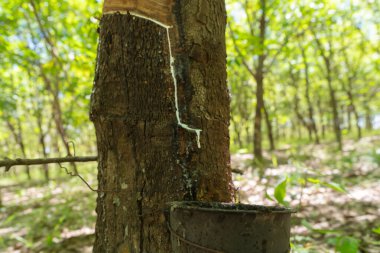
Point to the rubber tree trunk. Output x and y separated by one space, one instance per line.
268 122
259 77
353 108
334 107
310 108
146 158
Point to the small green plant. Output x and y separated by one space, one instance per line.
342 243
280 192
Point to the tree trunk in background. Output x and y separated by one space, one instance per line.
349 125
17 135
57 113
237 131
259 77
257 134
310 108
368 118
334 107
146 159
277 131
41 136
352 108
327 56
321 117
269 129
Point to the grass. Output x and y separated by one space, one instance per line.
39 216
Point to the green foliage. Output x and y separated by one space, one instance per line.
48 51
347 244
376 230
280 192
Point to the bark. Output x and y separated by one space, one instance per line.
146 159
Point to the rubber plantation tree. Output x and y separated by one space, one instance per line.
257 42
160 107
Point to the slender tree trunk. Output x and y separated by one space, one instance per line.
297 111
269 129
257 138
310 108
42 135
147 155
278 129
349 124
237 131
248 136
259 76
18 136
368 118
334 107
327 56
321 117
57 114
355 111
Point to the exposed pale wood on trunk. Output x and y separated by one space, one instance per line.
160 10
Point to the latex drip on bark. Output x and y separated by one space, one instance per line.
172 70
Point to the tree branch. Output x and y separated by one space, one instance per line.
9 163
246 65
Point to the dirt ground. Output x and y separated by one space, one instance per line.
336 195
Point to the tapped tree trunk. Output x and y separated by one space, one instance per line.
147 122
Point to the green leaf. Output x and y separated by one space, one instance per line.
280 191
313 180
376 230
274 160
335 186
268 197
347 244
307 225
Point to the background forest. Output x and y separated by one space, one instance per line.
304 78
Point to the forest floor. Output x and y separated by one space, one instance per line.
336 195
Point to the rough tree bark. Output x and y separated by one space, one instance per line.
147 157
